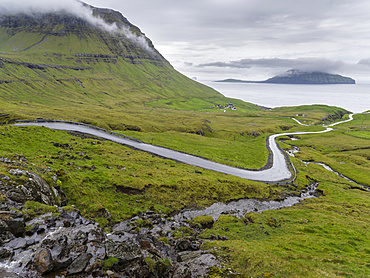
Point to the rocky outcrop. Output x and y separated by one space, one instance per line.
43 261
41 66
69 244
29 186
63 243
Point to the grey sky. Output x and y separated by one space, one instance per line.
256 38
253 39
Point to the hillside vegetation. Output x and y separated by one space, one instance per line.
68 69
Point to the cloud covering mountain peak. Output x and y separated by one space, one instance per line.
75 8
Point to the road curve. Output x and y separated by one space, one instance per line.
279 171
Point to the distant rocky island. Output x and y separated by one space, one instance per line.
298 77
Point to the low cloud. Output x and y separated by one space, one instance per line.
364 62
73 7
303 64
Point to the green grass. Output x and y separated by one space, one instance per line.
359 134
345 150
311 114
243 151
149 100
324 237
122 180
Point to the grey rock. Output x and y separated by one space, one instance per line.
72 215
79 264
60 248
125 252
59 265
80 238
34 188
197 265
16 226
3 227
32 230
30 241
17 243
5 274
183 244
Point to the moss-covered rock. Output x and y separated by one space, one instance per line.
203 221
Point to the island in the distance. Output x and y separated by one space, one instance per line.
299 77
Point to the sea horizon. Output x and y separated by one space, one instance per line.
352 97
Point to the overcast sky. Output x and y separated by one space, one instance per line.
254 39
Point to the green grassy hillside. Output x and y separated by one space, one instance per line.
67 69
62 62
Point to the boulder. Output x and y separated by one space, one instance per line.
32 188
60 247
60 265
79 264
124 251
197 265
17 243
16 226
43 261
183 244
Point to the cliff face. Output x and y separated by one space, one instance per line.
104 28
88 57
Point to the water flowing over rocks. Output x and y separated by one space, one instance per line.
148 245
241 207
82 248
62 243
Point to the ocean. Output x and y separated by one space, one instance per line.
354 98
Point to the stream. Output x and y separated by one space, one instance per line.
24 248
241 207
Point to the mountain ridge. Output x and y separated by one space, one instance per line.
118 31
99 60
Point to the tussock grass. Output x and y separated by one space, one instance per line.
327 236
123 180
323 237
346 150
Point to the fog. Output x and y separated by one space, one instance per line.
73 7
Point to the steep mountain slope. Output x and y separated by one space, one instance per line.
95 59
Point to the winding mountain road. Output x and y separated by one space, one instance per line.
279 171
